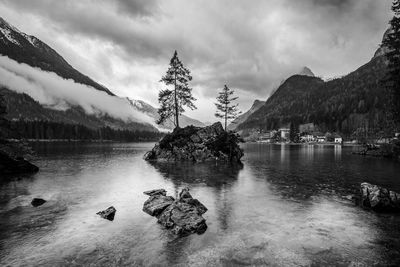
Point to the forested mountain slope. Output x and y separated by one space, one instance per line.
357 100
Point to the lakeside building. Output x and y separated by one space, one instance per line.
284 133
337 139
319 137
307 138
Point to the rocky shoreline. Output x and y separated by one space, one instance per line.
391 150
12 160
378 198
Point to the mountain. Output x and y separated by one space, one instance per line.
30 50
73 99
382 50
306 72
243 117
347 105
168 125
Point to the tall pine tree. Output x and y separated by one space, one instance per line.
173 101
392 43
225 109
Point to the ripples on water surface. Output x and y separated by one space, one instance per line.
285 207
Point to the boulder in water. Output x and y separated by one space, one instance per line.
182 216
10 164
379 198
36 202
108 214
157 204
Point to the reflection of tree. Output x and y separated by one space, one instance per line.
212 174
220 177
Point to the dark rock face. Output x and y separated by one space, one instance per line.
108 214
379 199
157 204
197 144
36 202
181 216
9 164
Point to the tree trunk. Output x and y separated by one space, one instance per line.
176 106
226 115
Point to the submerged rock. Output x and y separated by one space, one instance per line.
379 199
36 202
182 216
108 214
198 144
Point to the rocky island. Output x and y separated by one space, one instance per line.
197 144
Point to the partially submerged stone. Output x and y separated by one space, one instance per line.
186 197
36 202
155 192
379 198
182 216
10 164
108 214
157 204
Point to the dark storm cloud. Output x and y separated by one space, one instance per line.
138 7
250 45
341 4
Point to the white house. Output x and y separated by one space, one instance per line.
338 139
285 132
307 138
319 137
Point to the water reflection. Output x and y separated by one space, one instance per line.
219 176
284 207
338 152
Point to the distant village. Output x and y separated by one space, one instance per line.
309 133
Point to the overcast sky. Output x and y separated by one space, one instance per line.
249 45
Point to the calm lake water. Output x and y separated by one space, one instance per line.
286 206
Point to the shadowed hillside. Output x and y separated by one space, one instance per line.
346 104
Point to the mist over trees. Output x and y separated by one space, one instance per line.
3 112
225 109
46 130
173 101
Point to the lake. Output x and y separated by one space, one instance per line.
287 206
